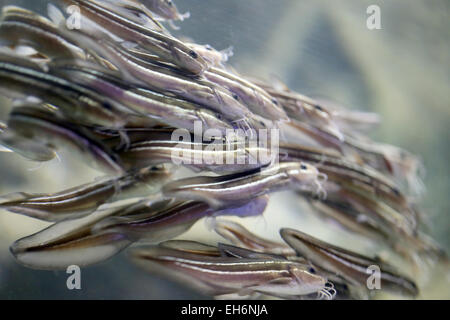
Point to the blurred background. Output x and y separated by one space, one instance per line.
320 48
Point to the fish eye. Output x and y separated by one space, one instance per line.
193 54
235 96
303 167
107 106
311 270
318 107
275 101
169 3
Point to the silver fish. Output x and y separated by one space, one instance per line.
69 242
347 264
25 147
225 275
191 247
217 157
136 11
19 26
20 77
208 95
161 44
172 111
44 127
82 200
256 99
155 225
221 191
165 9
339 168
214 57
243 238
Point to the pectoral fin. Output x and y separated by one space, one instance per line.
261 287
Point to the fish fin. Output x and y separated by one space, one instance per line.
15 197
210 223
129 45
237 296
245 291
282 280
358 292
55 15
230 250
259 288
108 224
278 84
27 148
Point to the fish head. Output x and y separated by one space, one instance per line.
308 280
302 173
167 9
300 243
215 120
190 60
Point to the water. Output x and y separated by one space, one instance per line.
318 48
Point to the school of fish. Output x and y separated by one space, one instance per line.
106 79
